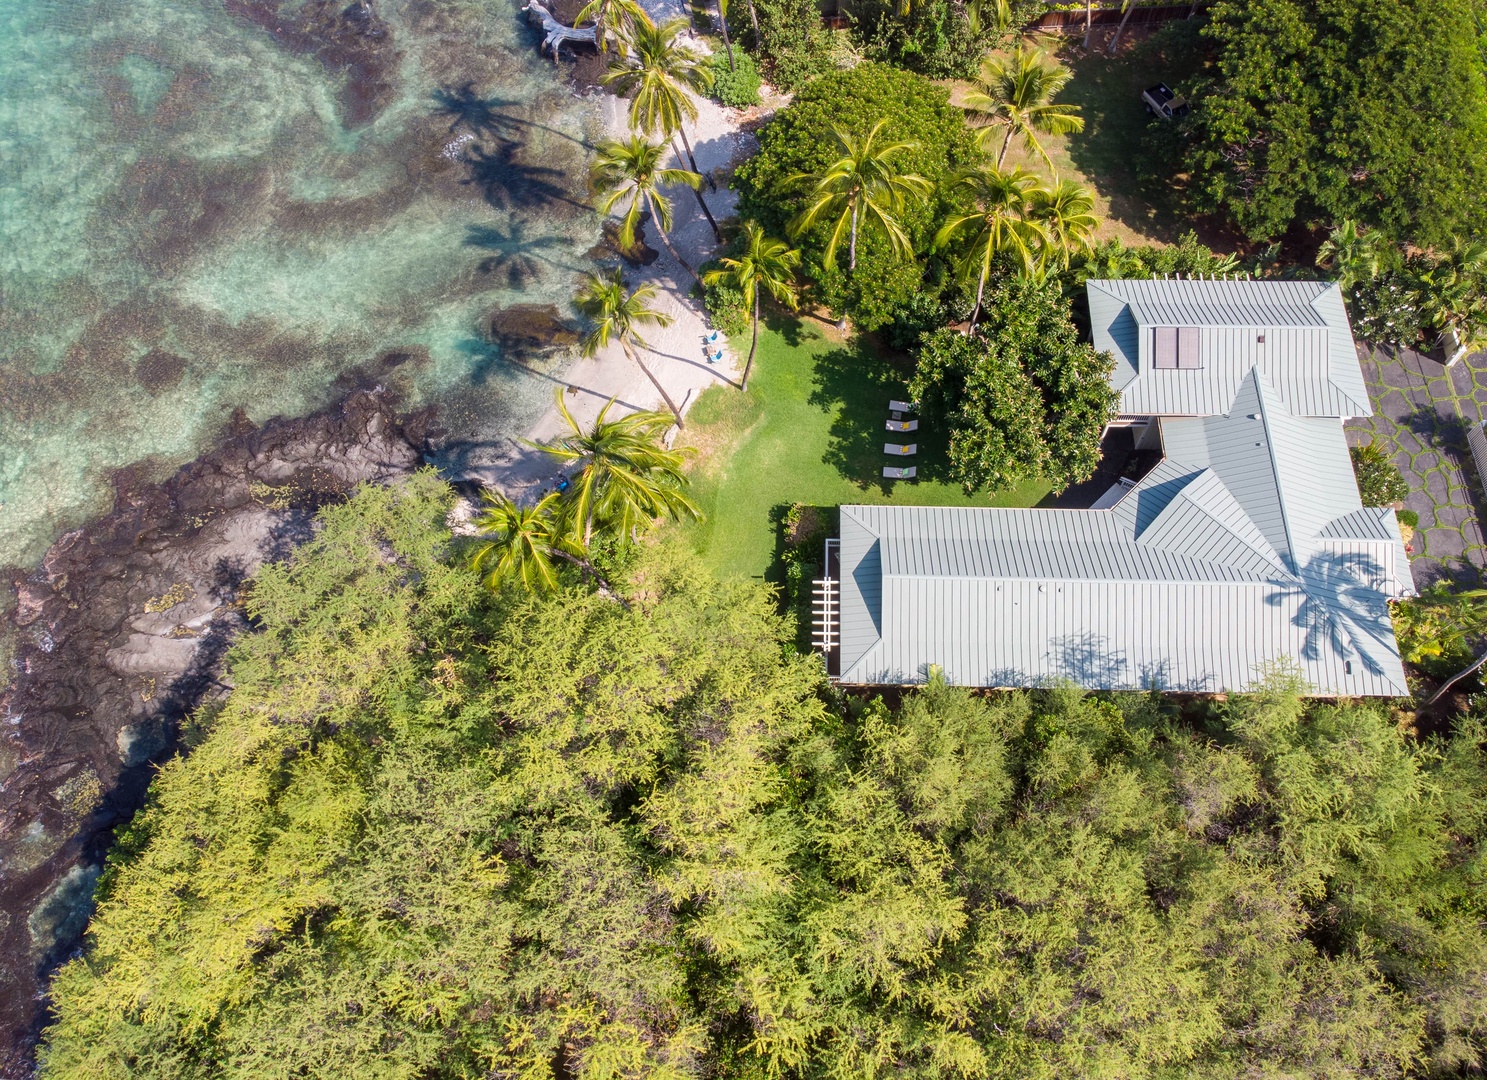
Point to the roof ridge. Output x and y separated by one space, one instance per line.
1262 390
1199 492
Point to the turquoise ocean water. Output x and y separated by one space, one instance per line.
208 205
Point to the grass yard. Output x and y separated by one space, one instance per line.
810 429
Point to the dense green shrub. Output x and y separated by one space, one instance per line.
435 833
1023 397
1409 517
736 87
1379 482
1371 110
793 43
799 141
726 310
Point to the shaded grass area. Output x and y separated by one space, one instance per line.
809 429
1123 155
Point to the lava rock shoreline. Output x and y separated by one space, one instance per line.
120 634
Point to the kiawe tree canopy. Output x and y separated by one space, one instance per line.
440 832
1320 111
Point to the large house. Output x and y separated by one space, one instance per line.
1246 545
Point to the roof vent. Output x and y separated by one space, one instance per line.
1347 667
1260 338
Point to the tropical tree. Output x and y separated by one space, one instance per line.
1453 291
765 263
616 314
628 476
861 184
617 17
1126 7
523 542
1065 211
1000 224
1352 254
632 168
1016 93
662 73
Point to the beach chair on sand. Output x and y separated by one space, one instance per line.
893 472
900 449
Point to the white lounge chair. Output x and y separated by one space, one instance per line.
893 472
900 449
903 425
903 406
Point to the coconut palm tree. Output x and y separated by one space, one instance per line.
1126 6
523 544
662 73
1065 211
765 264
628 478
617 17
1000 224
1016 93
862 185
616 314
632 169
1352 254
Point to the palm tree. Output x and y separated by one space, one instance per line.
662 73
616 314
1126 6
1017 93
1001 223
619 17
633 168
523 542
862 184
1352 254
628 478
723 22
764 264
1065 212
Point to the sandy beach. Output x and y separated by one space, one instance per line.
677 356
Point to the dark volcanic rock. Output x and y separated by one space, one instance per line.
121 633
527 331
350 38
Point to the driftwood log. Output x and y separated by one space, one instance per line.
555 34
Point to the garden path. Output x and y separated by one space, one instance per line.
1422 411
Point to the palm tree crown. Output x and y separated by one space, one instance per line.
628 478
659 70
1001 223
1351 253
766 264
863 184
522 542
1066 212
617 314
617 17
633 168
1016 92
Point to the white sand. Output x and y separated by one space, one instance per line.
676 355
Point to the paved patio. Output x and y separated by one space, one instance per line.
1421 414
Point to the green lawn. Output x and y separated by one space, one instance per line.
810 429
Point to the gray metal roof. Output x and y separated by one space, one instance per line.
1307 353
1245 545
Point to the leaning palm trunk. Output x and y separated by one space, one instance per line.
980 292
711 183
754 18
666 240
754 344
723 22
1114 41
1005 144
852 245
717 233
657 384
1454 679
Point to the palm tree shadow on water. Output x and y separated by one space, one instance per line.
515 257
489 116
859 382
509 183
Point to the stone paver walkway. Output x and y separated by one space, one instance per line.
1421 414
